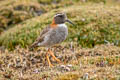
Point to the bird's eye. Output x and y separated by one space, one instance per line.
60 16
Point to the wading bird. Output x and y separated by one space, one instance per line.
53 34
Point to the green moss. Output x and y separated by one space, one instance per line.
15 12
95 24
97 27
69 76
49 1
97 1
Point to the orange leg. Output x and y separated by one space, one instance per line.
48 60
52 54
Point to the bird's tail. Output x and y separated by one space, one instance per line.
33 45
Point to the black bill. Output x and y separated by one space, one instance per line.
69 21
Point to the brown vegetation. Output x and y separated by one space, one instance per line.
101 62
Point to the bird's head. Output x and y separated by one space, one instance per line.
61 18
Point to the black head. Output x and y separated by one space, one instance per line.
61 18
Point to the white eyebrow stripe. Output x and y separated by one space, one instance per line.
58 14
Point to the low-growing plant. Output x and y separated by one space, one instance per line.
94 25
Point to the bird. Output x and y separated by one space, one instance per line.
54 33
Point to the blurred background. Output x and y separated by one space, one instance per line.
97 21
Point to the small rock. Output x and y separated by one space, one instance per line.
67 69
69 65
64 68
83 19
36 71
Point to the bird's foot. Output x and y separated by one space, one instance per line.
48 60
52 54
58 60
50 65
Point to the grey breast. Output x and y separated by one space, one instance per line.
57 35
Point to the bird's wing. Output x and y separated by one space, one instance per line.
41 37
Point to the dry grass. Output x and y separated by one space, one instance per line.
101 62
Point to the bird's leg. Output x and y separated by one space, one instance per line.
52 54
47 57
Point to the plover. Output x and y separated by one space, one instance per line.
53 34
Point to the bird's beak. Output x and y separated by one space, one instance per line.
69 21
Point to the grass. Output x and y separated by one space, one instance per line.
101 62
99 24
15 11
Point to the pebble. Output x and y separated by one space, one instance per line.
64 68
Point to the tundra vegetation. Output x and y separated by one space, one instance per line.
91 50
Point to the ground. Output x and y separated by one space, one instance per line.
101 62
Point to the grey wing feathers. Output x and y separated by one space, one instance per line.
40 38
35 44
45 30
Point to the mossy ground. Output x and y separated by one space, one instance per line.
94 24
99 63
90 52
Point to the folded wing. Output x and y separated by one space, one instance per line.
40 39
